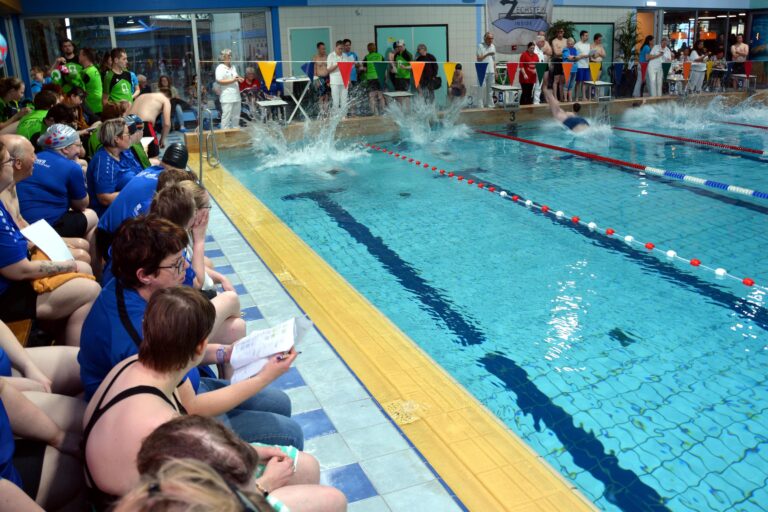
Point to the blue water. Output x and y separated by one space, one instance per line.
639 378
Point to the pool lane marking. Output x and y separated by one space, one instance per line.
630 240
695 141
638 167
759 127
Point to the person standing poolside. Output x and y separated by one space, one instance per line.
486 52
558 78
739 54
655 74
373 85
528 60
69 59
339 93
117 85
228 80
429 73
698 59
571 120
320 80
353 81
582 63
569 55
543 51
645 50
392 69
91 81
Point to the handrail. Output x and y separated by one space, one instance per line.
210 140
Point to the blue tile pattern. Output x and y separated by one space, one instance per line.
315 423
352 481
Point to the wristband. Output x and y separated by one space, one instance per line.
220 352
262 490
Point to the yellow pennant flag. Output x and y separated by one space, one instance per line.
686 70
594 70
709 68
267 72
449 68
416 69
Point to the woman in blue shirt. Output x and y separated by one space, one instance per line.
112 166
645 50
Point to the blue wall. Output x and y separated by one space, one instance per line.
672 4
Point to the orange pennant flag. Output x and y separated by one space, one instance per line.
512 72
686 70
345 68
450 69
267 69
567 70
594 70
416 69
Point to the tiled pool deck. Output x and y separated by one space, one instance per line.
360 450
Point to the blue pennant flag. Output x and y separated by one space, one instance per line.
481 67
309 69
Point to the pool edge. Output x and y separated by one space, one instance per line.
487 465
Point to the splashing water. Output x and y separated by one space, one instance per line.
423 125
317 150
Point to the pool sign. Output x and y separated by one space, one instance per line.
516 22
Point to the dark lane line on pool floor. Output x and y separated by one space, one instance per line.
623 487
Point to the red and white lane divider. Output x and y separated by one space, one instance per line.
759 127
630 240
696 141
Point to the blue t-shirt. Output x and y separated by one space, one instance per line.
104 342
55 181
7 447
133 200
644 51
106 175
13 245
5 364
353 74
570 52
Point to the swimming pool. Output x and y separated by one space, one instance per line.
639 378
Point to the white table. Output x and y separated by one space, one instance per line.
747 79
511 92
600 89
268 105
297 102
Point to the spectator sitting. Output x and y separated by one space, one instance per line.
11 93
68 297
250 468
112 167
74 99
56 190
143 85
177 104
37 80
32 123
136 129
148 255
110 111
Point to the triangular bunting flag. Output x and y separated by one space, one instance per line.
686 70
665 69
450 69
541 68
594 70
267 69
345 68
309 69
618 73
512 72
567 66
416 69
709 69
748 68
480 67
381 71
643 69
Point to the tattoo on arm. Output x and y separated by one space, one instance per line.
57 267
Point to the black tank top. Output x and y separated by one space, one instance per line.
99 499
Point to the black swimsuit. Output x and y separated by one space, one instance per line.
99 499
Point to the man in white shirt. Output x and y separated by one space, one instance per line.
582 64
544 52
486 52
739 54
655 74
338 91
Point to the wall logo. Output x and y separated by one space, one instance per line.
516 22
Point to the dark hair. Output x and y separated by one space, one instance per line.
89 54
204 439
114 110
648 40
577 107
106 61
339 42
583 32
61 44
458 66
8 84
175 204
171 176
166 92
44 100
61 114
143 243
597 36
319 44
530 45
347 41
161 78
176 320
76 91
115 53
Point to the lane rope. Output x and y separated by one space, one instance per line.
650 170
696 141
670 254
759 127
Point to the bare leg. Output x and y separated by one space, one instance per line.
90 237
60 365
228 327
66 411
61 482
372 102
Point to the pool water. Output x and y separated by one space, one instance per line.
639 378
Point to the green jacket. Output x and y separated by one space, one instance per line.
370 68
32 124
402 72
93 88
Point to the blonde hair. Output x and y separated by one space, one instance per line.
224 53
187 485
198 193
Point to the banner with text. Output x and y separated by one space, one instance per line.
516 22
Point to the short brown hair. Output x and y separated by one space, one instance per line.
199 194
176 321
175 204
172 175
114 110
143 243
204 439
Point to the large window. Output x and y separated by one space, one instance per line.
44 36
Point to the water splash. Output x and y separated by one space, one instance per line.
423 125
317 149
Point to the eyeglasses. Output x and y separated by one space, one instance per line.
178 266
9 161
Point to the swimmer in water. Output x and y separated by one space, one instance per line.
571 120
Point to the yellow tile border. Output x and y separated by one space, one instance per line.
481 460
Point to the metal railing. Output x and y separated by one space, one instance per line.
211 149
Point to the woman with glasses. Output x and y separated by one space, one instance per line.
18 299
113 166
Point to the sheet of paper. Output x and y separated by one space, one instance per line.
47 240
145 141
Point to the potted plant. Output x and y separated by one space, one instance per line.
626 38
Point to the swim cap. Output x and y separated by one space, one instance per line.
132 121
58 136
176 155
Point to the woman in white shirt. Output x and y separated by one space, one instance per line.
655 74
698 67
228 80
